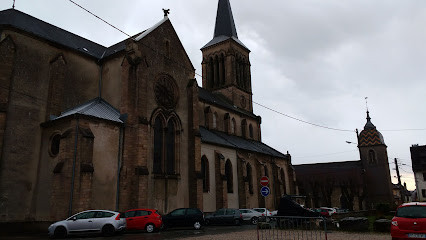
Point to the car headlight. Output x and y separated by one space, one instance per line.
395 223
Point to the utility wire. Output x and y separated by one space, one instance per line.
261 105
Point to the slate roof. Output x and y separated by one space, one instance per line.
22 21
220 100
96 107
231 141
333 170
225 26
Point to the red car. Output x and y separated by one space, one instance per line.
143 219
409 221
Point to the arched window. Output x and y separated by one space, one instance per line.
372 157
158 145
55 142
226 122
251 131
170 147
229 177
249 178
243 128
205 173
215 120
233 123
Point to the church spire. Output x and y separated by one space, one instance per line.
225 25
369 124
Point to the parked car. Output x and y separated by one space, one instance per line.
225 216
322 211
409 221
143 219
92 221
265 212
250 215
331 211
184 217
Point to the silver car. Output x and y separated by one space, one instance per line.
92 221
250 215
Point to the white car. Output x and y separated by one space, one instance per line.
92 221
265 212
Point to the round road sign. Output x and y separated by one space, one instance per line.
265 191
264 181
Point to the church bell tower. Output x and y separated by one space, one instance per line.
226 64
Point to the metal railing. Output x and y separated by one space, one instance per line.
294 228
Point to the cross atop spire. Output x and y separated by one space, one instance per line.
225 25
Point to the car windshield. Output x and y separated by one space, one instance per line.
411 212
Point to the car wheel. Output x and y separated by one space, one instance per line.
150 228
197 225
254 220
237 222
108 230
60 232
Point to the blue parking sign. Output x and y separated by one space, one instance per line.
265 191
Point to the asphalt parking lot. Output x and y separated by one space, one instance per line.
181 233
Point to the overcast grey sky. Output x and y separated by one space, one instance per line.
313 60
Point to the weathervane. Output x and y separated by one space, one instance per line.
366 103
166 12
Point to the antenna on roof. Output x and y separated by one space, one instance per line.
13 6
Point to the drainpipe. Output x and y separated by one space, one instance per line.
120 149
73 167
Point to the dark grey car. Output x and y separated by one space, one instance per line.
225 216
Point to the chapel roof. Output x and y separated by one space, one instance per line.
370 136
232 141
225 26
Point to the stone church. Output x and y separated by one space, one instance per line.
83 126
354 185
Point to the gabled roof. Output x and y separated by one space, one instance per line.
225 26
96 107
24 22
219 100
231 141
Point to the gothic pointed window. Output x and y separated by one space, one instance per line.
243 128
205 173
229 176
372 157
226 123
214 120
233 123
250 178
158 145
283 180
251 131
170 147
266 171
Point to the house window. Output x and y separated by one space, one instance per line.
205 173
229 176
